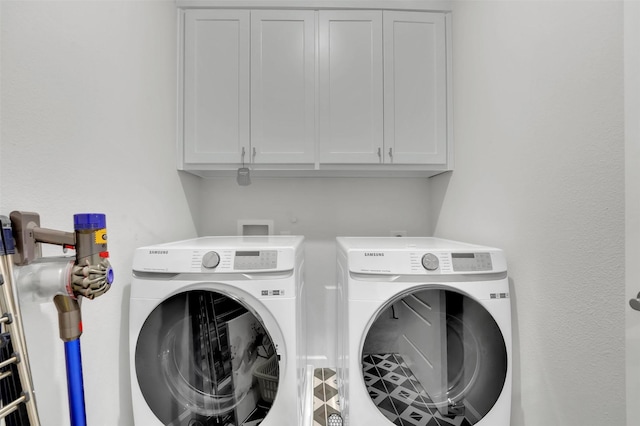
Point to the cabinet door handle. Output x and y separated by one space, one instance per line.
380 154
391 154
242 156
635 303
254 153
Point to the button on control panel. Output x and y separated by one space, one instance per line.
255 260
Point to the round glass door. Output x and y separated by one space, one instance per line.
204 359
434 354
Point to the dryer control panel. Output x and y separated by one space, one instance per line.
412 262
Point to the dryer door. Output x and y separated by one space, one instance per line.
203 358
434 354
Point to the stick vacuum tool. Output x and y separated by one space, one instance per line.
91 276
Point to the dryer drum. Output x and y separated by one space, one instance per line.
438 351
196 356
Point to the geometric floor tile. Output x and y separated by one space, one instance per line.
325 395
400 396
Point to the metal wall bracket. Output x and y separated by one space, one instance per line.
27 249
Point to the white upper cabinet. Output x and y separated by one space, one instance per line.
350 86
216 85
415 88
283 86
315 92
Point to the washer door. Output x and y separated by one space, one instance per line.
434 354
203 358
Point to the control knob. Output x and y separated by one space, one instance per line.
430 262
210 260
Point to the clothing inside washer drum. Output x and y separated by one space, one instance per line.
208 398
201 373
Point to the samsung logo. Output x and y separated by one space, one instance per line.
158 251
373 254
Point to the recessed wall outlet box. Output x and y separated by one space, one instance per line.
255 227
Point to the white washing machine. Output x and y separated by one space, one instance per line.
216 332
424 333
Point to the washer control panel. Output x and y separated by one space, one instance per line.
471 262
248 255
249 260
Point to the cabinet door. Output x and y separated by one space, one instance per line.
415 88
283 86
216 85
350 86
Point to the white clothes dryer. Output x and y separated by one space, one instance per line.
424 333
216 332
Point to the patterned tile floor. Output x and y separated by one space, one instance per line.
400 396
325 396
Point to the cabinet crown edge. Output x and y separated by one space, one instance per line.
444 6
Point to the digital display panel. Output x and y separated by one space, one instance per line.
248 253
463 255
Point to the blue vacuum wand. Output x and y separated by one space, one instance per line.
91 276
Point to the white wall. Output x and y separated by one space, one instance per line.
632 201
538 107
88 124
321 210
